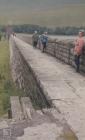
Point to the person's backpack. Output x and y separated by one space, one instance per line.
44 39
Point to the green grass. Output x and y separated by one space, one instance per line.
7 87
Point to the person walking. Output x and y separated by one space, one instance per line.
44 40
78 50
40 41
35 39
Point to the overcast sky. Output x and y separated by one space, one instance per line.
43 2
11 5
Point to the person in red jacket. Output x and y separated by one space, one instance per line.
79 44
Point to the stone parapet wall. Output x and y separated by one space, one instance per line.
24 77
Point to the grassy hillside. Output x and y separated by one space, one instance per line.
7 87
66 15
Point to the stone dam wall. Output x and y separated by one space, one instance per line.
49 83
24 78
62 50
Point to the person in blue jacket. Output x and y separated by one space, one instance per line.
44 40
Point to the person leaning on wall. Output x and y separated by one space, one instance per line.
78 49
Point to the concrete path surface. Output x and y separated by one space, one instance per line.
61 84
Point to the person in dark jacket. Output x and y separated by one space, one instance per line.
35 39
44 40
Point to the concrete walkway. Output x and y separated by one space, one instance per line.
61 84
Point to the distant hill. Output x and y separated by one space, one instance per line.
43 12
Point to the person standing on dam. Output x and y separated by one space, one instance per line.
78 50
44 40
40 41
35 39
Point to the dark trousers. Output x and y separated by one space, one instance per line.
35 44
44 46
77 62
